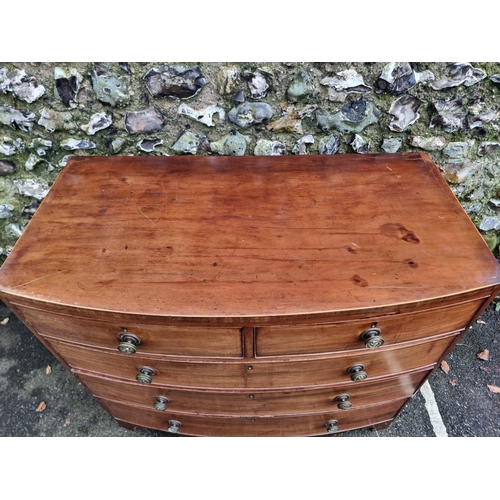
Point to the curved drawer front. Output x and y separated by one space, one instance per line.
257 373
255 402
312 339
154 339
305 425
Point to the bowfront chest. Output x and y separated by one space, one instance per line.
250 296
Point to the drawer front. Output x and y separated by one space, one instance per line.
255 402
257 373
304 425
313 339
180 341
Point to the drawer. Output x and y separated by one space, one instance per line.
256 402
154 339
311 339
303 425
257 373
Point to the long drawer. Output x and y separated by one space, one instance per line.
154 339
303 425
285 340
282 340
281 372
255 402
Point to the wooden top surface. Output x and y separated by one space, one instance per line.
248 236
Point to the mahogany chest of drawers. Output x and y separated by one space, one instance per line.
250 296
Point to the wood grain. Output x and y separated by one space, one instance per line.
302 425
254 402
280 373
249 281
222 237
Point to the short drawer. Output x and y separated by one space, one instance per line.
303 425
251 373
154 339
311 339
248 402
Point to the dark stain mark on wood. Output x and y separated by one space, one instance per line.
396 230
359 281
411 263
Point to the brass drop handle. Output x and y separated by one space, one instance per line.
343 401
145 375
128 342
331 426
357 373
174 426
161 403
372 338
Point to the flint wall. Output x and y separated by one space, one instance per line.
50 111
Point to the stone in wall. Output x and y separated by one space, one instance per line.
188 142
34 188
53 120
301 146
399 77
450 110
269 148
433 143
352 117
7 167
451 116
329 145
458 74
21 119
22 86
344 83
405 112
175 82
392 144
232 144
149 145
67 85
109 86
250 113
300 87
98 122
144 121
205 116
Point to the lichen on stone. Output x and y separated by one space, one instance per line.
109 86
352 117
300 87
232 144
250 113
188 142
266 147
53 120
391 144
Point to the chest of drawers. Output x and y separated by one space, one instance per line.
250 296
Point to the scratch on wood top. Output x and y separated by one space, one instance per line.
152 222
38 279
